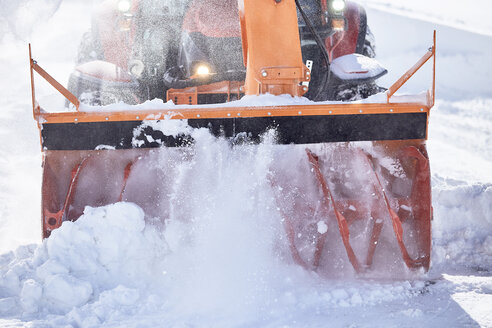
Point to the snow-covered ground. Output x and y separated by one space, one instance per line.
117 271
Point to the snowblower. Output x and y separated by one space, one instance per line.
365 166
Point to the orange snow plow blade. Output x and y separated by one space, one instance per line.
357 196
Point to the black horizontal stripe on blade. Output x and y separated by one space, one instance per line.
290 130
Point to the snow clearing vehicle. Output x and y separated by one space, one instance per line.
365 167
144 40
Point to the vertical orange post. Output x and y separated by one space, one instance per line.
272 48
434 72
35 107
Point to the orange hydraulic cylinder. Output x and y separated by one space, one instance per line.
272 48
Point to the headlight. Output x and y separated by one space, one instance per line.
124 5
338 5
202 70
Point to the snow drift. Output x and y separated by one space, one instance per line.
81 260
86 276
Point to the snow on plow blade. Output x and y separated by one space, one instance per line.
358 193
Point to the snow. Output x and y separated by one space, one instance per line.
80 260
111 268
246 101
355 66
322 227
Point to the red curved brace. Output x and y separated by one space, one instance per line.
126 175
419 190
342 222
53 220
291 235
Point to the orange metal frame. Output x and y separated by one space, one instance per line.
224 111
67 94
266 70
189 96
405 77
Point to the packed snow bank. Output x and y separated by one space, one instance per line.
82 260
462 225
109 266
